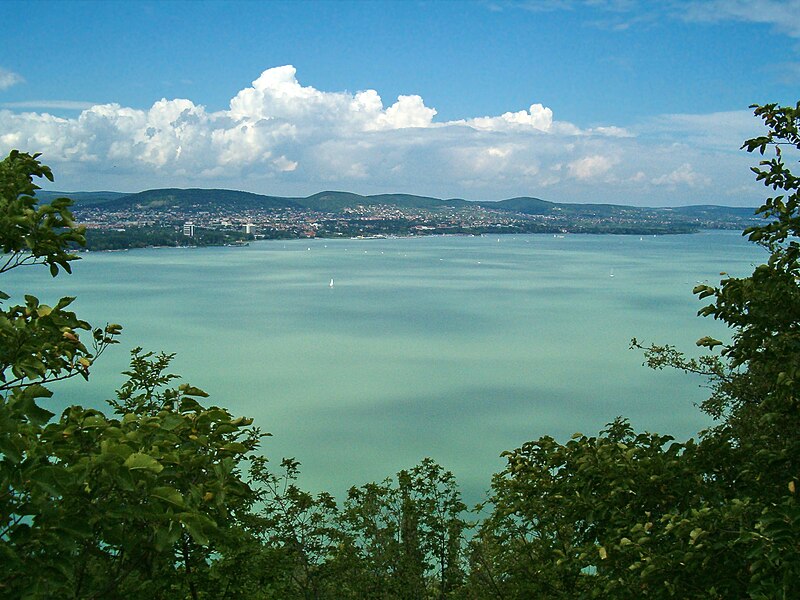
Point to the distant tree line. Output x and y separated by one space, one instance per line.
155 236
162 496
171 236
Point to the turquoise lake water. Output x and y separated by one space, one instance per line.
455 348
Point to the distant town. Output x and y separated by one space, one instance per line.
199 217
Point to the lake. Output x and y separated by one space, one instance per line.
455 348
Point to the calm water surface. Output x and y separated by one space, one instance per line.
451 347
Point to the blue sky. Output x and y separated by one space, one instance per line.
574 101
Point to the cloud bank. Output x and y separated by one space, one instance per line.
280 137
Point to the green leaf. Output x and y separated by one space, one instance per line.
64 302
171 421
196 525
141 461
708 342
26 404
167 536
236 447
190 390
168 494
54 479
94 421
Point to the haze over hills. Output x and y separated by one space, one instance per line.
336 201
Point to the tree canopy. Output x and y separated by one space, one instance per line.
640 515
96 505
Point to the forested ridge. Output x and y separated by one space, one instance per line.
157 217
165 495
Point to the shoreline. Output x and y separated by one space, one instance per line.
559 234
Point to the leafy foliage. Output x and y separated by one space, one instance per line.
407 537
639 515
145 492
131 504
31 234
393 540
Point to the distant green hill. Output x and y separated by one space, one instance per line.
197 198
337 202
528 206
81 198
410 201
332 201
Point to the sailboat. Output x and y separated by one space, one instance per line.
331 283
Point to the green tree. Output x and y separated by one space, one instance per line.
298 533
620 515
389 540
136 504
406 539
639 515
39 344
754 377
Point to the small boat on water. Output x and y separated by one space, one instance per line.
331 283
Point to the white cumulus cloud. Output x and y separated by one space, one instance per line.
538 117
590 167
281 137
683 175
277 96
